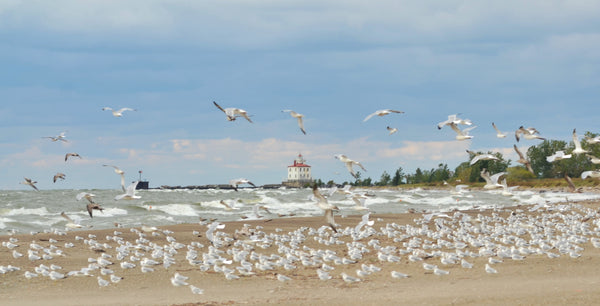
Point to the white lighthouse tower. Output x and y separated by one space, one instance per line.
299 173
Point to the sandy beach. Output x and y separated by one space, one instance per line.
535 280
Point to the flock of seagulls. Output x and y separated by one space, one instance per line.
453 121
437 244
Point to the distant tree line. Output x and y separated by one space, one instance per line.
467 173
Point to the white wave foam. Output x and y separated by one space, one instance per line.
27 211
177 209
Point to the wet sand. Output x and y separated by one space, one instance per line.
535 280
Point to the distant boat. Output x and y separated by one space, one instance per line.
142 184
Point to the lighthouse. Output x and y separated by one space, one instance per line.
299 173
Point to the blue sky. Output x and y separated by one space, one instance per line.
534 63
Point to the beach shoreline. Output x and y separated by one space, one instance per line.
535 280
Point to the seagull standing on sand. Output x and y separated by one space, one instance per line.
234 183
382 113
297 116
233 113
578 149
119 172
498 133
325 206
118 113
349 163
523 160
29 182
58 176
129 193
71 155
528 133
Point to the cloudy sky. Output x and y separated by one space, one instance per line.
532 63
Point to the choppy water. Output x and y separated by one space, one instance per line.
27 211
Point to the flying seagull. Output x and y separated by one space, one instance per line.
60 137
91 204
58 176
478 157
85 195
453 119
498 133
129 193
71 155
462 134
349 163
29 182
558 155
571 185
227 206
528 133
392 130
119 172
234 183
595 160
325 206
523 160
118 113
578 149
381 113
590 173
491 182
70 223
592 140
233 113
297 116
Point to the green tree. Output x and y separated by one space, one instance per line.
462 172
518 173
385 179
440 174
398 176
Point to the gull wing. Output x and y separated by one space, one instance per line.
219 107
455 128
350 169
301 124
494 178
329 219
370 116
318 196
519 152
62 214
576 141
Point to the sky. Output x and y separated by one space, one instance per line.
531 63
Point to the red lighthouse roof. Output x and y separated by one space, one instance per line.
299 162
